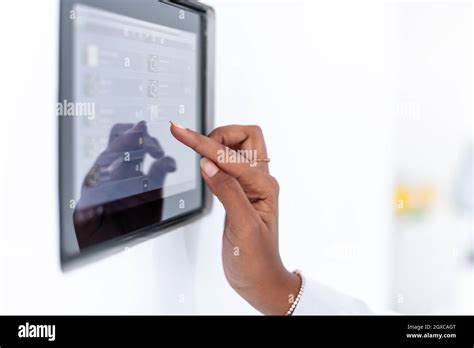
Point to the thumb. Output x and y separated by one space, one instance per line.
229 192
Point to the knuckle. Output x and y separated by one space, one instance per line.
215 132
274 183
256 130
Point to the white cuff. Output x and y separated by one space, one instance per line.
320 299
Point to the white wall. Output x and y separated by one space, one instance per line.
313 74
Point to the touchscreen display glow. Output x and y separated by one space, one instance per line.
130 77
132 71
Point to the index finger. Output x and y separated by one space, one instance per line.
248 138
240 168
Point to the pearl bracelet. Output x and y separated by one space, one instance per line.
300 293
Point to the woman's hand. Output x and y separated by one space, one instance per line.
249 194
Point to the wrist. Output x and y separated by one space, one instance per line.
276 293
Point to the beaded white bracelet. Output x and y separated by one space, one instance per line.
300 293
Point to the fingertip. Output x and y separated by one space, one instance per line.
173 130
178 131
177 125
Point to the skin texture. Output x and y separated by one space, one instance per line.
249 194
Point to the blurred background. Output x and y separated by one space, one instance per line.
366 107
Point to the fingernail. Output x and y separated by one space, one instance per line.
208 167
177 125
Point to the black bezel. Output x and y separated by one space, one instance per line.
140 9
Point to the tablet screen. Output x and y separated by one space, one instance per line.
137 76
128 78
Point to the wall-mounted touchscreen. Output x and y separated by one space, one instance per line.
127 68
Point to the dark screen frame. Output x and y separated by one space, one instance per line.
144 10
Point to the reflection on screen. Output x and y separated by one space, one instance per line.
131 78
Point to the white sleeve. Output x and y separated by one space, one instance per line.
320 299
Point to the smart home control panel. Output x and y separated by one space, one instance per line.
128 67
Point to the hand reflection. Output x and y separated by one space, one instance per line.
117 197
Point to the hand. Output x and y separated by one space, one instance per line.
250 254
